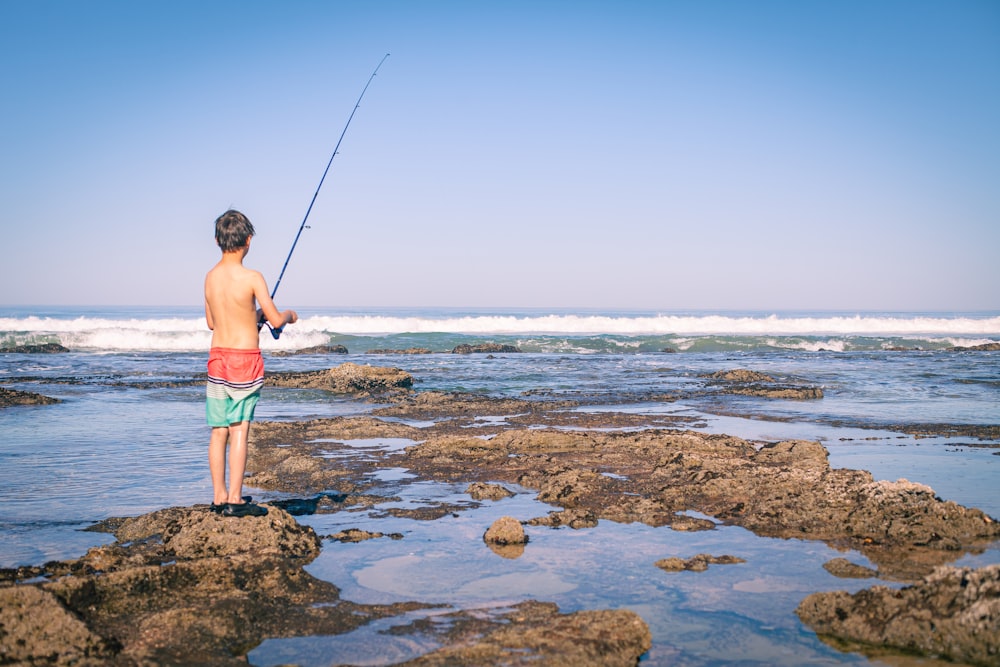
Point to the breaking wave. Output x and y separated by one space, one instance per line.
535 331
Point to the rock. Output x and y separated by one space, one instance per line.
688 524
740 375
348 378
751 383
802 453
574 518
791 393
409 350
10 397
35 348
505 530
483 347
953 613
181 586
841 567
697 563
192 534
37 629
534 633
985 347
315 349
785 490
429 405
483 491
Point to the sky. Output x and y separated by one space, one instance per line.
672 154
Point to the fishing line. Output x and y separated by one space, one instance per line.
336 149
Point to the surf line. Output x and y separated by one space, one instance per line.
276 332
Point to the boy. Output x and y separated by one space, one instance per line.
235 365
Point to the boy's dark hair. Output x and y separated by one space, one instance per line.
232 229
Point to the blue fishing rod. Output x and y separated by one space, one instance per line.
276 332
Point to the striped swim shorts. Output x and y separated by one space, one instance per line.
234 381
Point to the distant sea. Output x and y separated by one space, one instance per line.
129 435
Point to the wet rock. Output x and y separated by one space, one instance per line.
740 375
984 347
315 349
483 491
483 348
348 378
409 350
429 512
792 393
841 567
534 633
697 563
981 431
953 613
428 405
295 472
751 383
304 457
505 530
35 348
10 397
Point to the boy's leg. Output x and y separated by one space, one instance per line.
217 464
238 434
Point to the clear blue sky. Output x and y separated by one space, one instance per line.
660 154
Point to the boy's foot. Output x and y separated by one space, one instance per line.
243 509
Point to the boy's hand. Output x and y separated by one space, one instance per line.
291 317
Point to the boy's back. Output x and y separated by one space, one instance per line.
231 291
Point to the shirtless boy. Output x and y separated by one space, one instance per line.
235 365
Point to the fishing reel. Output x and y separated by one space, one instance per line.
275 331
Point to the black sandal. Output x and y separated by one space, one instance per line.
243 509
221 506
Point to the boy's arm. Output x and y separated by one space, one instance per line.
208 317
267 308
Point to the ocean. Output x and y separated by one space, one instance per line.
129 436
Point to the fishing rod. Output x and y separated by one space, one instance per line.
276 332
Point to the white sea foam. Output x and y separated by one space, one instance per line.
658 324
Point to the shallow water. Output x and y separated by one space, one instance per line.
124 442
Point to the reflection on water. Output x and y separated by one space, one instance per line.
730 614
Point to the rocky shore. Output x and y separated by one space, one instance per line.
9 397
952 613
187 586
